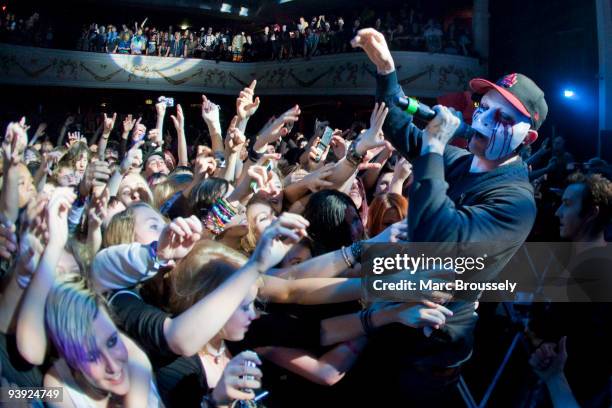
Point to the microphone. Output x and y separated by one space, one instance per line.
415 108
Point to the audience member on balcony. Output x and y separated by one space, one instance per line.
100 40
248 51
112 38
177 46
275 41
237 46
190 46
340 38
433 36
208 43
311 41
164 44
152 45
138 43
123 46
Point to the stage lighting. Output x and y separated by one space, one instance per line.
568 93
244 12
226 8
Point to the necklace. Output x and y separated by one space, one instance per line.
216 355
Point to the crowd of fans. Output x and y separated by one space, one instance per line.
320 35
25 30
407 30
137 266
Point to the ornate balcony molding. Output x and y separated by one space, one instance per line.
421 74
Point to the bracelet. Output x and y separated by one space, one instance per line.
366 321
346 258
152 249
356 249
352 156
254 156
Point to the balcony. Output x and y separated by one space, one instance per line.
421 74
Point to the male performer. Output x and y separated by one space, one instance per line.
458 196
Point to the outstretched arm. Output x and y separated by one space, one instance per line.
31 337
311 291
179 125
328 369
13 146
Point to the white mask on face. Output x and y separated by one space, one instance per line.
501 123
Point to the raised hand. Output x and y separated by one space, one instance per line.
277 239
235 140
41 130
338 144
160 108
131 158
547 362
155 137
179 119
210 111
263 180
402 169
14 143
69 121
98 209
425 314
128 124
316 180
57 216
276 129
177 239
237 378
75 137
373 137
97 174
204 166
109 123
139 132
375 46
245 105
316 156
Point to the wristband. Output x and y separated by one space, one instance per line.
219 215
366 321
345 256
352 156
157 263
254 156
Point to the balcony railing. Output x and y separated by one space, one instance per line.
421 74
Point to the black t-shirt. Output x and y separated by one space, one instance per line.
182 380
14 368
